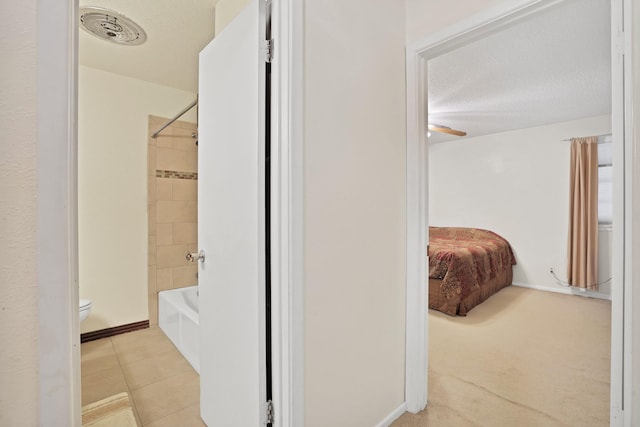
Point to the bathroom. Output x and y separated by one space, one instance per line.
120 101
137 207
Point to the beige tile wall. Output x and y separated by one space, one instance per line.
173 208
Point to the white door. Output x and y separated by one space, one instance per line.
231 223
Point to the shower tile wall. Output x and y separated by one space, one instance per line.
173 208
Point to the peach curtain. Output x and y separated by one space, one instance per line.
583 214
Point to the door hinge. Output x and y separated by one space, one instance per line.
268 409
268 49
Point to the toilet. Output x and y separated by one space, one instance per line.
85 309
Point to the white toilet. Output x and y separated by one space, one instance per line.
85 309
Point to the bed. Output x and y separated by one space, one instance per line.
466 266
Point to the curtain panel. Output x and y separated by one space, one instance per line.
583 214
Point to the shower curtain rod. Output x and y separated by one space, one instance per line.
599 142
187 108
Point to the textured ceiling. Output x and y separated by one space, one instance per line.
176 32
552 67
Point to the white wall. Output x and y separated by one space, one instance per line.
516 184
425 17
112 191
18 194
226 10
354 212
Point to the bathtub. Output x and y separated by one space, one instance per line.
179 319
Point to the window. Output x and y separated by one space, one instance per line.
605 181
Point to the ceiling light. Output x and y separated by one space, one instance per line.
112 26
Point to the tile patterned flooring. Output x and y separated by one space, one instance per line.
163 387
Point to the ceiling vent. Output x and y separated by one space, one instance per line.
109 25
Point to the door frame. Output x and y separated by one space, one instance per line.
287 203
57 145
416 393
59 396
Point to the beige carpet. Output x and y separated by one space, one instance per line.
113 411
521 358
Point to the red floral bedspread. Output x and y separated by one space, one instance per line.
464 258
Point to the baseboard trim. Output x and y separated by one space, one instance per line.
116 330
566 290
394 415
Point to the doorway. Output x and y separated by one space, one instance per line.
417 161
133 238
60 372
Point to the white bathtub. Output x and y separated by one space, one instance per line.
178 316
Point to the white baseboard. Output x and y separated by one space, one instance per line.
565 290
386 422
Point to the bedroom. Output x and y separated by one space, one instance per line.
511 173
547 79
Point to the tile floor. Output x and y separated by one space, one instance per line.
163 387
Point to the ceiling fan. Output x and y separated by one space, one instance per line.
445 129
